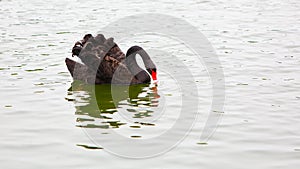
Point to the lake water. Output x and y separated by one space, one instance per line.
48 122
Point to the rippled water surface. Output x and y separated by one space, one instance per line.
46 119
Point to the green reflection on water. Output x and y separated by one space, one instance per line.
94 102
89 147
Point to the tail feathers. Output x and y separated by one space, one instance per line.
71 65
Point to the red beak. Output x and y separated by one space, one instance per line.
153 74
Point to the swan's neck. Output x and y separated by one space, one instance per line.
132 64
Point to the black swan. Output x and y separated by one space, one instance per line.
103 62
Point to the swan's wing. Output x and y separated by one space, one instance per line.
99 47
104 57
116 71
80 71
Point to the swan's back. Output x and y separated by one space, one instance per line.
104 62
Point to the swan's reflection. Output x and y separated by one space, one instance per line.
94 102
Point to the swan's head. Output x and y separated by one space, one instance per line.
153 73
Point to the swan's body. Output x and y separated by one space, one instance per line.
104 62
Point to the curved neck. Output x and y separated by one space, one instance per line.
132 65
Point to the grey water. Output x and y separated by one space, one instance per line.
47 120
